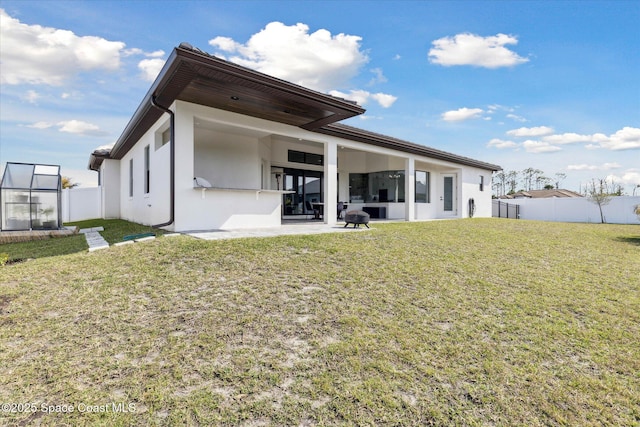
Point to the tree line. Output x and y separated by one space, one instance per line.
509 182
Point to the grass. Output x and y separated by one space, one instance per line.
114 231
469 322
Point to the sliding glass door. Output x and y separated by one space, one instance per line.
307 189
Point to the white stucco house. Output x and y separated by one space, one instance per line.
214 145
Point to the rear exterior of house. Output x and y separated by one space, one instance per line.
217 146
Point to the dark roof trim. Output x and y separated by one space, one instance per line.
372 138
185 65
96 158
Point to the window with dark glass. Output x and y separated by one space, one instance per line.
481 182
147 169
130 177
306 158
422 187
383 186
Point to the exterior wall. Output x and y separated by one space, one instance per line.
578 209
471 190
227 209
153 207
82 203
235 154
231 163
110 189
227 161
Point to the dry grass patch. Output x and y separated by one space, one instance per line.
472 322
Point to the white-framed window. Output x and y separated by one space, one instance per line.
481 182
147 170
423 193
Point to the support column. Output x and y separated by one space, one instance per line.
330 182
410 189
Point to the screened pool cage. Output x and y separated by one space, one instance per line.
30 197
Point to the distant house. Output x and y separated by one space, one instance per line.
542 194
214 145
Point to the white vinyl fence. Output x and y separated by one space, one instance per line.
79 204
578 209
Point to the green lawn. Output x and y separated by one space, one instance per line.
114 231
468 322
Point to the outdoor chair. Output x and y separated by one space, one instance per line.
309 210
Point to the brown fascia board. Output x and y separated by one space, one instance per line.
195 55
177 73
146 114
372 138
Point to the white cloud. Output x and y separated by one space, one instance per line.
363 96
533 131
537 147
568 138
471 49
40 125
76 127
461 114
137 51
384 99
378 76
79 127
151 68
499 143
627 138
516 118
226 44
586 167
318 60
105 147
359 96
629 177
42 55
366 117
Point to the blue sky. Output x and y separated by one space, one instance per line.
551 85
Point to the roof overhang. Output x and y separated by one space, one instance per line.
372 138
194 76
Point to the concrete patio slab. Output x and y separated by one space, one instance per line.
284 230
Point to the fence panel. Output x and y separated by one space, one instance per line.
619 210
505 210
82 203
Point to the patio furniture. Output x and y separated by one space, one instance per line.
312 210
356 218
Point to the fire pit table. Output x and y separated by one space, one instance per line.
356 218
